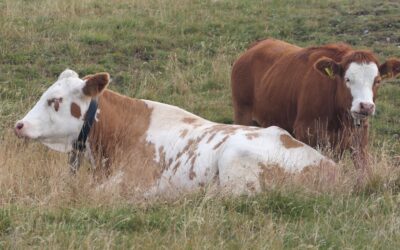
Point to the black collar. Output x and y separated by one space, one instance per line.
79 145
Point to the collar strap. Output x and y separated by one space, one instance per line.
80 144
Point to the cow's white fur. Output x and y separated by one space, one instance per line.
235 162
60 129
361 76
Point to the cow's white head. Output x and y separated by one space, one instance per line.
58 116
360 77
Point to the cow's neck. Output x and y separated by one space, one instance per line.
120 128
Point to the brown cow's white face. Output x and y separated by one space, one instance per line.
360 79
57 118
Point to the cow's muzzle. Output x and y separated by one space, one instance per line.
19 129
359 117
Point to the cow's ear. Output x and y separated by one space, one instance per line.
390 68
328 67
87 77
95 84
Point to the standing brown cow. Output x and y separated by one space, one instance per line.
319 94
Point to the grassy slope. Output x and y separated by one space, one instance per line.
180 52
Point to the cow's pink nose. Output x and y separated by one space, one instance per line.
367 108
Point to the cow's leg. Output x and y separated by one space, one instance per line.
304 132
238 172
242 85
360 159
359 153
313 133
243 115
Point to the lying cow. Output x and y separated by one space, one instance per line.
321 95
172 148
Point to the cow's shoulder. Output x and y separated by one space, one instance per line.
166 115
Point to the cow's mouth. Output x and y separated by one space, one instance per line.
21 135
359 117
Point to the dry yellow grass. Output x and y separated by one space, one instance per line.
31 174
43 205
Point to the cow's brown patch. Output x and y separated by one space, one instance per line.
122 139
290 142
56 105
324 173
76 110
320 176
176 166
95 84
189 120
224 129
252 135
272 175
229 130
211 137
191 149
186 148
192 174
163 160
183 133
56 102
221 142
193 160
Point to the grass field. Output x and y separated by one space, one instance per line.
180 52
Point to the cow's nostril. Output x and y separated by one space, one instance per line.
19 125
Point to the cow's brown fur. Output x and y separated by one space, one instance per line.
95 83
320 177
122 137
289 142
276 83
76 110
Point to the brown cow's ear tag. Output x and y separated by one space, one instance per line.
329 72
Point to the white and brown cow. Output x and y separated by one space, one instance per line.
170 148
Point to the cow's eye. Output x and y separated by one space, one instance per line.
347 79
56 102
377 82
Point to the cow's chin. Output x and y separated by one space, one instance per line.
60 147
358 118
63 145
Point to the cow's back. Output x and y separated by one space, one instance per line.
248 72
287 85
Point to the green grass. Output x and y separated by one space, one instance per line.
180 52
276 220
